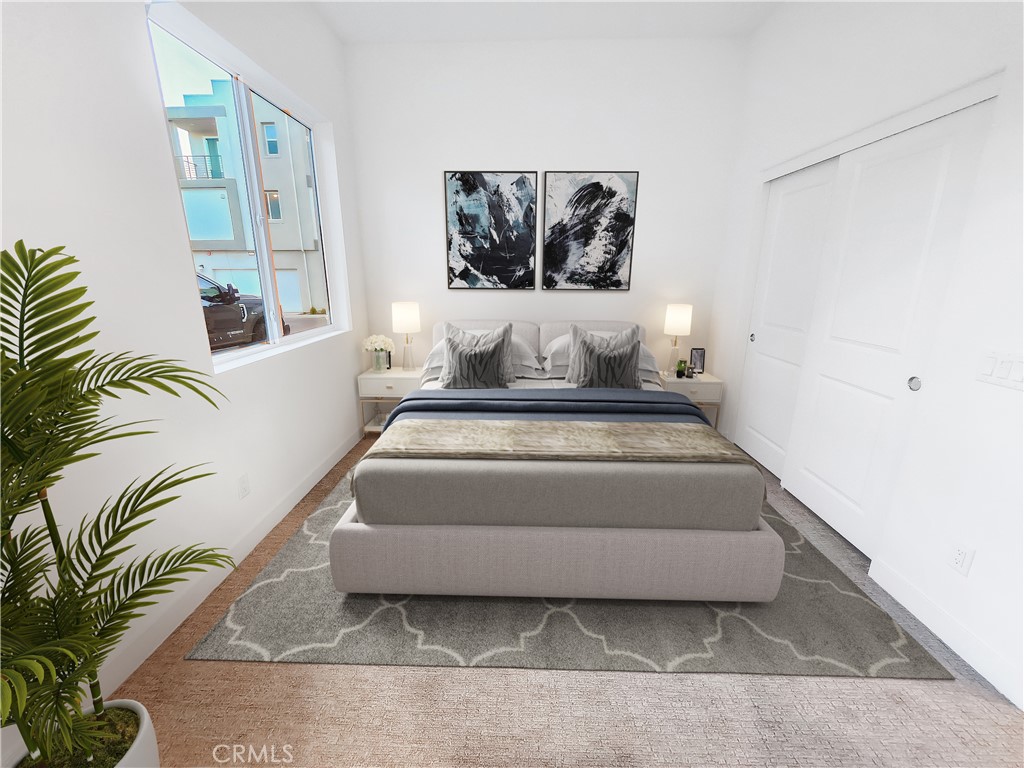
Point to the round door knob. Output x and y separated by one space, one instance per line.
914 383
753 337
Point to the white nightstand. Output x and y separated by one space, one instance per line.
704 389
383 388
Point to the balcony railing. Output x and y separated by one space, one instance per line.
199 167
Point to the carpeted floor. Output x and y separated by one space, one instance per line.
820 624
353 715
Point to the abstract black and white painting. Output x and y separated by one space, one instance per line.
588 229
492 229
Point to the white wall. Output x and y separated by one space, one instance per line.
73 76
667 109
819 72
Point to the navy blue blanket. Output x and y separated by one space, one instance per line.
548 405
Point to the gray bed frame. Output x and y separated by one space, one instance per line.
582 561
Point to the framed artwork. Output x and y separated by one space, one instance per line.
697 359
588 229
492 228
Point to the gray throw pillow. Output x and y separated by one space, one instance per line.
476 367
613 368
466 339
577 334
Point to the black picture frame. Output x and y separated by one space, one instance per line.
581 208
476 212
697 359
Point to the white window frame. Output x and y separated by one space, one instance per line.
251 76
267 140
280 209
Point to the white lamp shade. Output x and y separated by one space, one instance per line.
677 319
405 317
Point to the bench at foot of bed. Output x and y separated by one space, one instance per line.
535 561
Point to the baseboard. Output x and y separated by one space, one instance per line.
149 633
1004 673
245 544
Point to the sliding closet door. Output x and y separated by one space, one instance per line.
896 218
791 254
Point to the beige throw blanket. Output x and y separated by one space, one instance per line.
554 440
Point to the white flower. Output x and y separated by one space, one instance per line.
378 343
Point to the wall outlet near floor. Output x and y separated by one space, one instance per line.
243 486
960 559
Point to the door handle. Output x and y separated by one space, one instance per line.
914 383
753 337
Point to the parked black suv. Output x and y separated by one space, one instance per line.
232 319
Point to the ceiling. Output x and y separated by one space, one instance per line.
493 21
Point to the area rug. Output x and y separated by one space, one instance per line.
820 624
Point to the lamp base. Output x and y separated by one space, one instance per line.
673 358
407 360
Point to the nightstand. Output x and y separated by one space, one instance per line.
704 389
383 388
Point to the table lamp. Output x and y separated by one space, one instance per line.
677 323
405 318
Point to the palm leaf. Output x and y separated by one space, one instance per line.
138 584
53 387
66 601
92 553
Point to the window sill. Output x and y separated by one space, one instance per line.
236 358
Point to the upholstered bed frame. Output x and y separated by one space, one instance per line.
557 528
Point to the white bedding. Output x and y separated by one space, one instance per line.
539 384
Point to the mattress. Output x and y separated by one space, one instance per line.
606 494
541 491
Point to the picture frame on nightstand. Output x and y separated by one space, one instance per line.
697 359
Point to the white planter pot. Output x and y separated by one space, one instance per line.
143 753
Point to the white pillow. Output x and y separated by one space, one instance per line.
556 355
557 350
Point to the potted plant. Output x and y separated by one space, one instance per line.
680 369
69 597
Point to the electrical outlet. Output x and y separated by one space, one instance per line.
960 559
243 486
1004 369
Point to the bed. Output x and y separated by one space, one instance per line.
545 490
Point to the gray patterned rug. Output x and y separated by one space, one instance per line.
820 624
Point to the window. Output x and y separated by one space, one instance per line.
270 147
253 289
273 198
207 289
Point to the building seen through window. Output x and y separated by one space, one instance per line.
252 216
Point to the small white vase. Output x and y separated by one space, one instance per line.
143 753
380 360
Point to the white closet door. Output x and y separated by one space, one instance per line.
791 254
893 232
